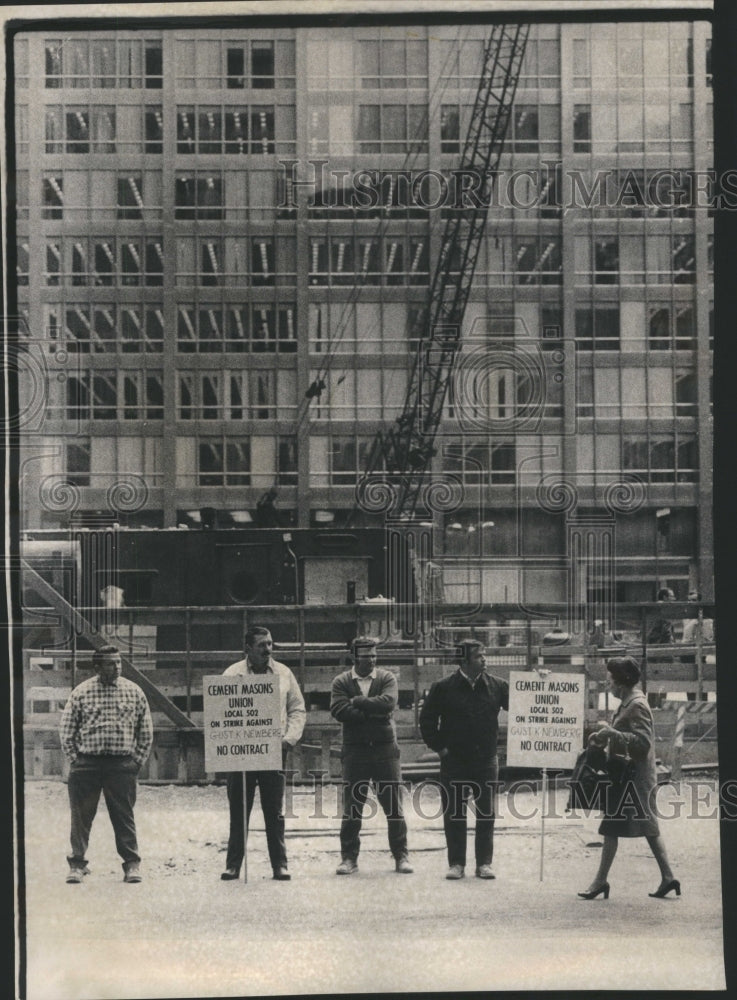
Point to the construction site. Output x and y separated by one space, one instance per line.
398 330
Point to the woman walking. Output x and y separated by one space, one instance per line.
631 734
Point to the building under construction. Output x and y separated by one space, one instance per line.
421 312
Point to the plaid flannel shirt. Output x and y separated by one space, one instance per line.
107 719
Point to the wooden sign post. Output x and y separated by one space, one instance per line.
545 728
242 729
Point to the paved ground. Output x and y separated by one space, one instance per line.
184 933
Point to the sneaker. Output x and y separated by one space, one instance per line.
76 875
404 867
484 871
455 872
132 873
346 867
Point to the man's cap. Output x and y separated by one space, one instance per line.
363 642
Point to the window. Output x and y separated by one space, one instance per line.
21 129
130 200
461 63
392 63
525 129
87 130
369 260
232 395
153 129
153 65
21 62
77 462
391 128
707 61
260 328
661 458
103 63
597 329
483 463
538 261
141 329
684 260
261 64
671 327
112 395
581 62
198 196
541 64
224 463
686 394
348 457
286 457
21 266
606 261
450 136
581 128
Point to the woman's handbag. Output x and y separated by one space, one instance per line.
600 782
588 781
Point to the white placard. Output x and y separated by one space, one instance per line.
545 722
242 722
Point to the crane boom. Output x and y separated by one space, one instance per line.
403 453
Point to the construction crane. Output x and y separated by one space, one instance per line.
402 454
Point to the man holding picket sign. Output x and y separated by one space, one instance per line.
257 673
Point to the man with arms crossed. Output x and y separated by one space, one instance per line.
460 721
363 699
258 660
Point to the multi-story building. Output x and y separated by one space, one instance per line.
213 330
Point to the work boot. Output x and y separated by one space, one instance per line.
455 872
132 872
346 867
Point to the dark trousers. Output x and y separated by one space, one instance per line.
460 782
271 792
116 778
358 773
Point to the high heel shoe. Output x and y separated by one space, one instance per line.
596 892
663 891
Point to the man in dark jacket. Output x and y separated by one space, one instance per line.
460 721
363 699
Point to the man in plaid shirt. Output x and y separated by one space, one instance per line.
106 734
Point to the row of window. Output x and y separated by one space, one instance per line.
221 395
629 127
605 393
635 393
362 328
107 328
340 460
77 261
109 63
628 54
345 260
234 195
342 260
106 195
98 128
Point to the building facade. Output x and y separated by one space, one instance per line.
225 239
